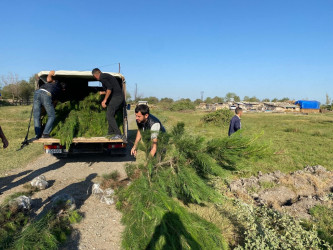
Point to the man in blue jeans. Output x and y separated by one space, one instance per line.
45 96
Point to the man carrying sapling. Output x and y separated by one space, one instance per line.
146 122
113 100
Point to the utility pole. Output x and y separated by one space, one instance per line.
119 67
136 91
202 93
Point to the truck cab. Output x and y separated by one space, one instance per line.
79 84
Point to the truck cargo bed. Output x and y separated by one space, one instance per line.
80 140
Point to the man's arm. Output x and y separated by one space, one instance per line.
237 125
50 76
153 147
106 97
4 139
135 146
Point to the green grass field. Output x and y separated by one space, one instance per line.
297 140
14 122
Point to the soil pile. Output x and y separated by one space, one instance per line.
293 193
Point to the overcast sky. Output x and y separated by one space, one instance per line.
178 48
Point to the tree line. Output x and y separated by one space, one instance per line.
16 90
209 100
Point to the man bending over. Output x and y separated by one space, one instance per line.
146 122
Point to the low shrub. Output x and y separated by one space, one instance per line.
182 105
266 228
220 117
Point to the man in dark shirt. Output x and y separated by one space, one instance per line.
44 96
113 100
235 123
146 121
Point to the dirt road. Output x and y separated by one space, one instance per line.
101 227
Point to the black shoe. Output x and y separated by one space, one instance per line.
46 136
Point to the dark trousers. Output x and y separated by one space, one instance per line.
115 103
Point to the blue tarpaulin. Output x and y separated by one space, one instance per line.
308 104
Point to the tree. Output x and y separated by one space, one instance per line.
246 98
182 104
197 101
128 97
208 100
328 100
167 100
284 99
275 100
11 88
217 99
265 100
150 99
26 90
229 96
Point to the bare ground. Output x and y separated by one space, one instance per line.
101 227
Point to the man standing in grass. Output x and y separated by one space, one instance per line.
4 139
146 122
113 100
235 123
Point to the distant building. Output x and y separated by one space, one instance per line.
308 106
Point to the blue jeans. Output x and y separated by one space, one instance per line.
43 98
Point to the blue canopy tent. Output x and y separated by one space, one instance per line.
308 104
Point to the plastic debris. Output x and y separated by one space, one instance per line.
63 202
40 182
105 196
21 203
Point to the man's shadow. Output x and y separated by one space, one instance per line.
80 191
6 182
172 228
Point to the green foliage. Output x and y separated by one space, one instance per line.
182 105
251 99
84 118
11 223
266 228
220 117
152 214
19 231
51 230
323 218
231 95
114 175
149 207
229 150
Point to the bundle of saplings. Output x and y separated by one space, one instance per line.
85 118
154 205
